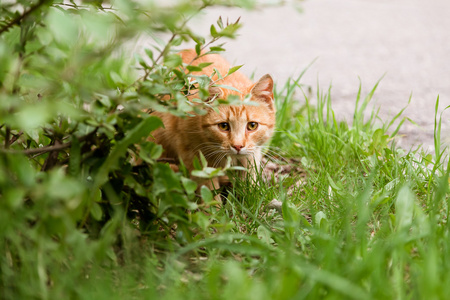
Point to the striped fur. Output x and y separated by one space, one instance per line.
184 138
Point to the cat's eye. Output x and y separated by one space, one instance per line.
224 126
252 126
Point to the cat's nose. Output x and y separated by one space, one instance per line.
238 147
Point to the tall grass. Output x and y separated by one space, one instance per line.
368 222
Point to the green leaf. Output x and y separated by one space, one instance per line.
216 49
14 197
196 164
149 53
181 75
205 64
140 60
265 235
173 60
320 220
165 180
230 30
189 185
216 172
96 211
220 22
32 116
150 151
404 208
218 73
63 26
22 169
198 48
200 174
233 69
203 160
140 131
116 78
291 218
194 68
206 194
214 32
336 186
64 187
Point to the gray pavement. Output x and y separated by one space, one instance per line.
407 40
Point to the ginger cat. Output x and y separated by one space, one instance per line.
237 131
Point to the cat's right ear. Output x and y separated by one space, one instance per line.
214 93
263 89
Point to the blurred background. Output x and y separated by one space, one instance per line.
407 41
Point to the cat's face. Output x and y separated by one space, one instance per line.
241 131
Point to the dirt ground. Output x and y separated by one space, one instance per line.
407 41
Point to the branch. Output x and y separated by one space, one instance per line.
15 138
165 49
19 18
47 149
7 134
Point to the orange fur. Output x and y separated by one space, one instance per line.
184 138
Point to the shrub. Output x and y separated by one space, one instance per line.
73 125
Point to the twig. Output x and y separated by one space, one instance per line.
15 138
47 149
165 49
7 135
21 17
52 158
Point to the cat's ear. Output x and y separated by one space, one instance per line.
263 90
214 93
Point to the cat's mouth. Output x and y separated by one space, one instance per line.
239 153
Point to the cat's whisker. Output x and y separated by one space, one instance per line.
268 151
217 156
212 154
205 147
219 159
206 144
276 158
272 158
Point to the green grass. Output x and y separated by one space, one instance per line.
369 221
362 219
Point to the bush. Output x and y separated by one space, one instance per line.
72 128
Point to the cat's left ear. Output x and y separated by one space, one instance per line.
263 90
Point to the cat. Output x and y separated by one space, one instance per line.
235 131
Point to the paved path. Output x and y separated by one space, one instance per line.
408 40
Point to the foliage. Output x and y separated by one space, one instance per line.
80 183
88 211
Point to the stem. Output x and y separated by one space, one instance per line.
166 48
18 19
47 149
7 135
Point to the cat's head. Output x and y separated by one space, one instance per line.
241 130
